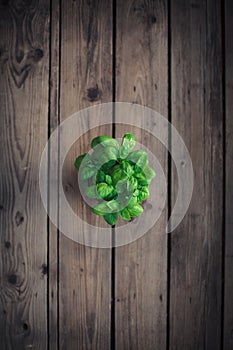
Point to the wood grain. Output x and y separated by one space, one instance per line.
228 307
24 104
86 80
54 116
196 245
56 61
140 267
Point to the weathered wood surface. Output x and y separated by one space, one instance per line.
86 79
24 66
196 110
141 266
53 118
228 307
169 292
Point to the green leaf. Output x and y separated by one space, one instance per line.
125 187
96 210
102 156
106 207
86 173
134 182
108 179
143 194
128 169
108 166
100 177
91 192
140 175
143 182
113 205
78 161
128 143
118 174
135 210
111 219
149 173
104 141
133 201
104 189
111 196
125 214
137 169
99 158
139 158
136 193
111 153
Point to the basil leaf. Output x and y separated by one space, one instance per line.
106 207
136 193
99 158
98 211
111 219
128 169
112 195
107 167
91 192
143 194
125 187
137 169
133 201
139 158
113 205
101 209
108 179
135 210
141 176
104 189
149 173
100 177
86 173
134 182
79 160
104 141
118 174
143 182
111 153
125 215
128 143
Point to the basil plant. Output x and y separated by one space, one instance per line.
116 177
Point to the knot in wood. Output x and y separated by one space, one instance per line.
12 279
93 93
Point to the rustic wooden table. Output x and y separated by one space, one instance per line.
163 291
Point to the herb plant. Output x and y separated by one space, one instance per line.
117 177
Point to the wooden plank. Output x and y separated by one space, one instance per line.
86 80
141 266
24 64
53 196
196 257
228 307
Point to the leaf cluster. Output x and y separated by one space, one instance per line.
116 176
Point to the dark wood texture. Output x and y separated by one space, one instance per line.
86 79
196 110
228 307
140 267
24 66
54 116
163 291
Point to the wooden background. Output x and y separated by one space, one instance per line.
163 291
